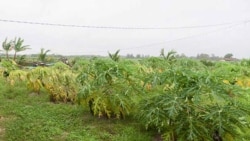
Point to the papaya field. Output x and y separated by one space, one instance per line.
156 98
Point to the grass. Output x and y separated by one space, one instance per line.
26 116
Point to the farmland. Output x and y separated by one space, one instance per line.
154 98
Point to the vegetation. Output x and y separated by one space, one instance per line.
115 56
171 55
43 54
108 88
228 55
193 104
158 98
7 47
18 46
26 116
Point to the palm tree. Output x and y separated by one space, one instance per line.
19 46
43 55
7 46
171 56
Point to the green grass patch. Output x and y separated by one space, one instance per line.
26 116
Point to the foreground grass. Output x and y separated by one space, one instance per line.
26 116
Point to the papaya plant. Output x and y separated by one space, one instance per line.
107 87
35 78
61 86
8 66
79 64
17 76
59 81
193 103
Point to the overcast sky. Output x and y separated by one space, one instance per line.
230 33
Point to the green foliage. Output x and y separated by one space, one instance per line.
6 67
16 77
230 71
42 55
115 57
79 64
207 63
18 46
245 62
108 88
154 62
7 46
35 78
181 99
29 117
58 80
188 104
61 86
21 59
61 66
170 57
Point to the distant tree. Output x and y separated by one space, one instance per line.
7 46
130 56
228 55
18 46
43 54
138 56
181 55
203 56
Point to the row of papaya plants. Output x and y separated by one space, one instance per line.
59 81
193 103
109 87
183 99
